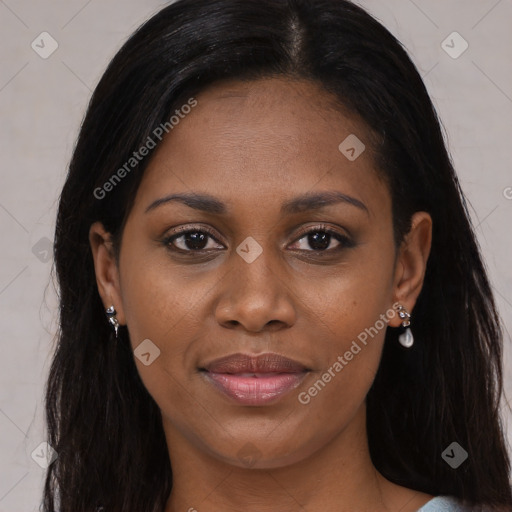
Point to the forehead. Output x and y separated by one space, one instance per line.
262 139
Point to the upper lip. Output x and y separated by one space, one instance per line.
263 363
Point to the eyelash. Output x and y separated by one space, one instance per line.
344 241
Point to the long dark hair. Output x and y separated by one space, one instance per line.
103 424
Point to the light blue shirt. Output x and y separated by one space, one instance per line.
444 504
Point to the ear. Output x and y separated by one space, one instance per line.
411 263
106 269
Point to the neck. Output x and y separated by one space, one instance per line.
338 476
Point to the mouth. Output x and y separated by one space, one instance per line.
254 380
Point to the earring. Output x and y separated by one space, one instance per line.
111 316
406 339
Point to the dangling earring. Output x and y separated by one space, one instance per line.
111 316
406 339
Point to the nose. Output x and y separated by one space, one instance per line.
256 296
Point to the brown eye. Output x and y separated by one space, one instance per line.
192 240
322 240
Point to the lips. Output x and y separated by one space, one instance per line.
255 380
263 363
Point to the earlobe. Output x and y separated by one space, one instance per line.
106 269
412 262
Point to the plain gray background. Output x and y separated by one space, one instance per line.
42 102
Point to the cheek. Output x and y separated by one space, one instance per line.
156 301
335 392
345 304
166 306
162 310
352 315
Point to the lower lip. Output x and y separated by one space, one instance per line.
255 390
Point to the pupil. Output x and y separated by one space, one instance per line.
319 240
195 240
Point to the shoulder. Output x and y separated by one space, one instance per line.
445 504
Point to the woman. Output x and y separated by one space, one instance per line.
271 295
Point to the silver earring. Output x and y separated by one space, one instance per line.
406 339
111 316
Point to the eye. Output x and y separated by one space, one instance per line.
196 240
192 240
322 239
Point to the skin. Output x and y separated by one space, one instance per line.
253 146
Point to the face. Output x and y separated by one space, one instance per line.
291 253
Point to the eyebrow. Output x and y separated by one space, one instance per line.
305 202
